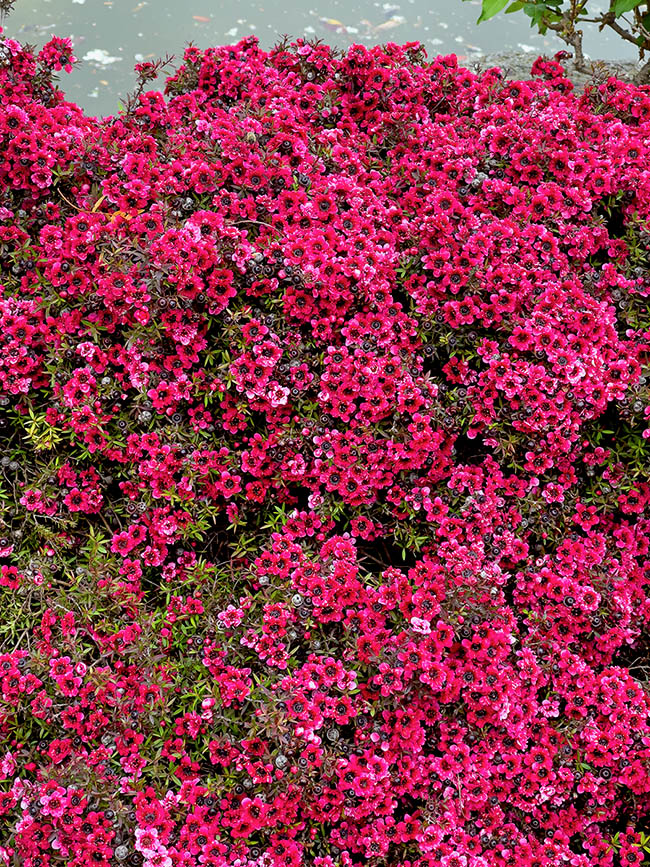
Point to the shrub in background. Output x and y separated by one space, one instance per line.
630 19
324 414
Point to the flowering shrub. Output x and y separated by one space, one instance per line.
325 421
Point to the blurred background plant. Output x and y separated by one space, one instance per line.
5 8
630 19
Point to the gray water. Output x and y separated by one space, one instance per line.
111 36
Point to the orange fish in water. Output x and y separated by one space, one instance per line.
333 24
201 18
395 21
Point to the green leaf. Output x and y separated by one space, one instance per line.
491 8
541 15
622 6
515 7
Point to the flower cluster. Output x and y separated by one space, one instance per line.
324 410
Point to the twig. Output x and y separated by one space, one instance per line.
72 205
611 22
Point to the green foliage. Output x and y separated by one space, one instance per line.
491 8
622 6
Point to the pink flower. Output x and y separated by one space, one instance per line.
420 625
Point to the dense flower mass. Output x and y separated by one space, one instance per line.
324 410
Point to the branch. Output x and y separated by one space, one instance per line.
571 36
556 26
610 21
